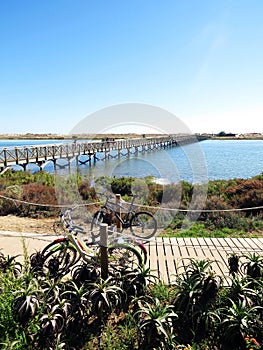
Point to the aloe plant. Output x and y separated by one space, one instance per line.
155 324
239 290
37 262
253 266
104 296
233 262
85 273
134 282
78 298
9 263
198 267
51 324
195 293
238 320
26 302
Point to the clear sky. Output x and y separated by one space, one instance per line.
62 60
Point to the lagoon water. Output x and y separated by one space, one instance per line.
19 143
196 163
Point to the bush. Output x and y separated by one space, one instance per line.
8 206
122 185
222 195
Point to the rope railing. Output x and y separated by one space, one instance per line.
47 205
141 206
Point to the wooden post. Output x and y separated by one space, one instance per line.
5 158
104 251
118 202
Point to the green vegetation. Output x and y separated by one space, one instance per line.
222 214
132 310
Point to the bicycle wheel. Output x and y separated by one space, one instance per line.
59 257
98 218
143 225
123 256
139 246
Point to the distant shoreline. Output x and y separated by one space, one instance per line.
31 136
67 137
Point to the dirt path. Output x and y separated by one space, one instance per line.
26 225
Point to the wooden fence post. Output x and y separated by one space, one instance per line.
118 202
104 251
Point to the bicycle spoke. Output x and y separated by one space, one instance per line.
143 225
122 256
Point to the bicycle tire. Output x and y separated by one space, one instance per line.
139 246
123 256
59 257
51 246
143 225
97 219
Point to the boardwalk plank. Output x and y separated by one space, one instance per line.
177 252
208 252
184 255
153 258
163 273
222 255
253 246
171 267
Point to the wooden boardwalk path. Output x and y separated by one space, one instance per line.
167 256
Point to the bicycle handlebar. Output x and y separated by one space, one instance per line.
69 223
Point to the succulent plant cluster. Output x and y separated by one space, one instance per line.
132 309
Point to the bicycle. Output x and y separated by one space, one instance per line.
59 256
142 224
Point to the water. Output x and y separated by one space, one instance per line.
19 143
195 163
229 159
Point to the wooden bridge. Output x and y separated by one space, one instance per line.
88 151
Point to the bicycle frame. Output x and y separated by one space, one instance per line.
127 217
85 253
82 247
60 255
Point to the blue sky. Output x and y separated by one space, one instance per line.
62 60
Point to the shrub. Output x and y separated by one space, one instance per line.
122 185
8 206
87 192
39 194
